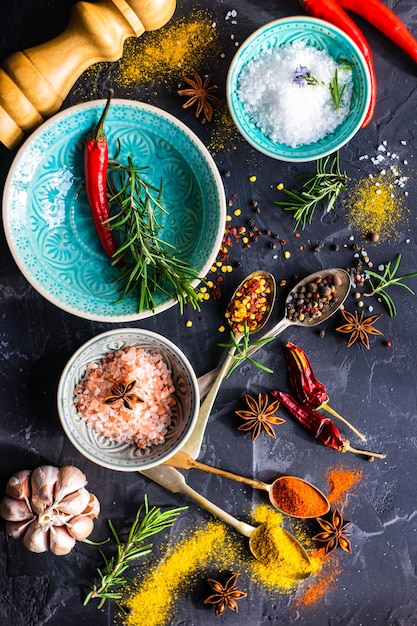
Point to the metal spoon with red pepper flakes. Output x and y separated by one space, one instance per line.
264 298
248 311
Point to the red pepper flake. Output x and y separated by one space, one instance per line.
252 302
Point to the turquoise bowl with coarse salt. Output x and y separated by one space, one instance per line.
322 36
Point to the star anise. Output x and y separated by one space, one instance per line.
122 392
225 595
260 415
200 94
334 533
359 327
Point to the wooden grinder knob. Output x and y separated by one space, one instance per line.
34 82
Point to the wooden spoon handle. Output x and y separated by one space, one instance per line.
193 444
183 460
34 82
175 482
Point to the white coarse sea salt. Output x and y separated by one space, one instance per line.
288 112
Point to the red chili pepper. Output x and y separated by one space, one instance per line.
385 20
302 378
331 11
308 389
322 428
96 158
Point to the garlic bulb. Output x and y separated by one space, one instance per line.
49 508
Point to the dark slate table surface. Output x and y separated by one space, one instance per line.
375 388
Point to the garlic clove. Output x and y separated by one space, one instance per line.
18 486
13 510
74 503
93 508
43 481
16 530
60 541
80 526
35 538
70 479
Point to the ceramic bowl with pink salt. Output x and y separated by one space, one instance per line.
128 399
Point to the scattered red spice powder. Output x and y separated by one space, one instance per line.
324 581
341 480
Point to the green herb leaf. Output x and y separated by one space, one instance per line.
325 184
387 279
147 522
335 91
238 349
147 263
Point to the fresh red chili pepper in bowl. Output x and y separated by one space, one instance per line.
96 158
308 389
385 20
330 11
320 427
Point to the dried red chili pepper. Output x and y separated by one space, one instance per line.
96 158
322 428
385 20
331 11
308 389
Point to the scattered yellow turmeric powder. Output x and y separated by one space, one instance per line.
178 49
277 579
376 207
154 598
153 602
224 135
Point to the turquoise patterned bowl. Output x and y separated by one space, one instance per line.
310 32
48 222
123 456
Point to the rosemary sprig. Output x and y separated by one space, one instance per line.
147 263
387 279
335 91
147 522
238 349
325 184
334 86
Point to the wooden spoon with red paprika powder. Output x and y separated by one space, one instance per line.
290 495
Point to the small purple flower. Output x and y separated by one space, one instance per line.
302 76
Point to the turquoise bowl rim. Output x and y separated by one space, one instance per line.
252 134
70 299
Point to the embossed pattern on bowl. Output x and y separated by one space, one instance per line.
47 218
122 456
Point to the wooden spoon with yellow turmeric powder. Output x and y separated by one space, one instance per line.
269 543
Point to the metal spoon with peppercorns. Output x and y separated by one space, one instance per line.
311 302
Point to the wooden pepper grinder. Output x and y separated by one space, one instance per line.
34 82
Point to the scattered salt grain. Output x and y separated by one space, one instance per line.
288 111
